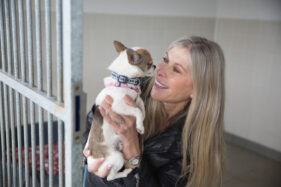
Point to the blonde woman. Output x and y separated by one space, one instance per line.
183 144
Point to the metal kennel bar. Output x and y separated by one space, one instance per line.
37 117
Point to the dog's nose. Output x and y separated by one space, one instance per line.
154 66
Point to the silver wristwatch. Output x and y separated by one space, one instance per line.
134 161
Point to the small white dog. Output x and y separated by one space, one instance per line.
127 69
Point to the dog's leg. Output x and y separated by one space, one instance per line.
140 104
122 174
139 117
139 125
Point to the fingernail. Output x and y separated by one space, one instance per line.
101 159
88 152
109 166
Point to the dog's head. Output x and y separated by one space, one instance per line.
132 62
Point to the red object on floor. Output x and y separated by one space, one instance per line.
46 157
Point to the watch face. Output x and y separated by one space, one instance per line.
134 161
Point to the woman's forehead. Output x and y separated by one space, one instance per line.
180 56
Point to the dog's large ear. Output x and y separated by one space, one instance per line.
133 57
119 46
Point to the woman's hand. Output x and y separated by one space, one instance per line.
124 125
95 163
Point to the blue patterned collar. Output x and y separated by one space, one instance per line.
125 80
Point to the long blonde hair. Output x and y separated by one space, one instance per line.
202 136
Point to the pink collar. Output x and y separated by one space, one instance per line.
116 84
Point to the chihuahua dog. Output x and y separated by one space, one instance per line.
128 70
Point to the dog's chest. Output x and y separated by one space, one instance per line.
117 93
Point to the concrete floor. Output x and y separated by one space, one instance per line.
245 168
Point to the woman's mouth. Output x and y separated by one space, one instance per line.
157 84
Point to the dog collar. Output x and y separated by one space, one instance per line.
125 80
118 84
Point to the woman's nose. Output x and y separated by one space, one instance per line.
160 70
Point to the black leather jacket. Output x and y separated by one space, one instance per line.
161 161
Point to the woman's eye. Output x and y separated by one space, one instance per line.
176 70
165 60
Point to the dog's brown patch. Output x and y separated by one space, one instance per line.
96 138
145 58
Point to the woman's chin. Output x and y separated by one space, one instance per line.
156 95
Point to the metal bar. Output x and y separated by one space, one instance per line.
23 78
30 59
22 42
60 149
33 142
19 139
25 135
2 39
14 38
48 104
48 47
4 182
3 62
8 38
29 41
38 43
40 87
72 76
8 163
41 140
59 86
8 53
59 49
31 104
50 146
49 87
12 126
12 113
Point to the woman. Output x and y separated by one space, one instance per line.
183 144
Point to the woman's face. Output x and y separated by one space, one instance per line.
173 81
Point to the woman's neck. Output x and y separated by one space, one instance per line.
174 108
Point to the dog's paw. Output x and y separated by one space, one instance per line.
140 130
110 177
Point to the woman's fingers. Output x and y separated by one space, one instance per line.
104 172
130 101
94 165
106 104
107 117
86 152
121 123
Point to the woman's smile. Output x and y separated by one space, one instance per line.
159 85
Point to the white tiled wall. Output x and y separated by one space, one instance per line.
253 79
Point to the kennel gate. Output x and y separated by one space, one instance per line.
35 52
